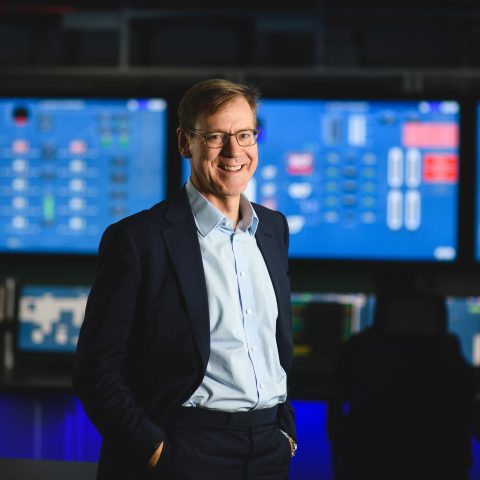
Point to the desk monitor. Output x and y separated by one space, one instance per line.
464 321
477 183
70 167
321 321
50 317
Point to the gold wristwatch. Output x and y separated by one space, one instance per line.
293 446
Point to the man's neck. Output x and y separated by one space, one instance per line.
229 206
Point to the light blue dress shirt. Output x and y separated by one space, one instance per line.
243 370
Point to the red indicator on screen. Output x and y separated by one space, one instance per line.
300 163
20 146
78 147
430 135
20 116
440 168
20 121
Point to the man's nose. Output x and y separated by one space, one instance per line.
231 148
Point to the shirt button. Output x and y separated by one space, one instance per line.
248 311
253 348
261 385
242 274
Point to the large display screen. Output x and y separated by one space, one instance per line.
369 180
50 317
366 180
70 167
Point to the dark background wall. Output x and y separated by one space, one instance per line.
301 34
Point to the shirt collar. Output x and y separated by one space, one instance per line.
207 216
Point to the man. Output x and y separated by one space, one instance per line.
186 344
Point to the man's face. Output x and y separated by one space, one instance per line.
219 173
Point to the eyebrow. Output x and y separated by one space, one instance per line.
219 130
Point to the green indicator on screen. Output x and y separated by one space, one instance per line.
106 140
49 208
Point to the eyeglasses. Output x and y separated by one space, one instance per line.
245 138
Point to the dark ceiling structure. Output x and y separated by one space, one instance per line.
412 46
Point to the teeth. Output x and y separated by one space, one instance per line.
232 168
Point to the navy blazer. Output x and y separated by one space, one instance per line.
145 341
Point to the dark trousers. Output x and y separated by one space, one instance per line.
203 444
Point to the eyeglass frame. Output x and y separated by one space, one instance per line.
255 131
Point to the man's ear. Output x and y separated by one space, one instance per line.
183 143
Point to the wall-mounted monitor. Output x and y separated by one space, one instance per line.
49 318
69 167
361 180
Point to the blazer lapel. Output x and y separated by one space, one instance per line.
269 249
275 262
182 243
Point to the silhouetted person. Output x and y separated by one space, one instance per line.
323 325
404 394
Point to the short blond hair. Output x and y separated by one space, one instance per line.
209 96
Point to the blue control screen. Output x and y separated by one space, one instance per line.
371 180
71 167
50 317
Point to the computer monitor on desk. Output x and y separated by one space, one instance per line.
46 328
44 332
50 317
464 322
321 322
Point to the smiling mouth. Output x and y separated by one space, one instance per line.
231 168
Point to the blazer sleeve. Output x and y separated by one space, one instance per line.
102 346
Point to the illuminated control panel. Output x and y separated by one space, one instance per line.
362 179
71 167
